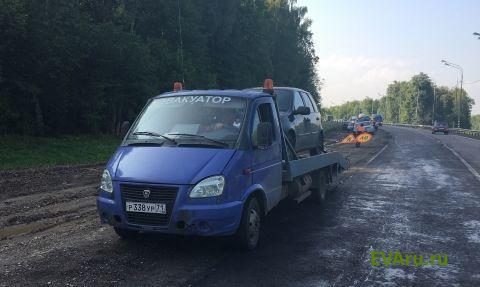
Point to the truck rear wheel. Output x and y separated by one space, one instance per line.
125 233
319 193
248 233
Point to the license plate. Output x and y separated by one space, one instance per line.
146 207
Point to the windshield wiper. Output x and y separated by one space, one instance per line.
154 134
204 138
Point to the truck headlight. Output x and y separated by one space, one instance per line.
210 186
106 182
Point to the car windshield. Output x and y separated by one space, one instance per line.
284 99
199 117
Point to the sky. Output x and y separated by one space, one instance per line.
363 45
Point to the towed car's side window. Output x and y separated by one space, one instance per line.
297 101
308 102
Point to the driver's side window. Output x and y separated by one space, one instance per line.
256 121
297 100
263 114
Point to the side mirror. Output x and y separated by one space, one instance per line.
124 128
264 135
305 111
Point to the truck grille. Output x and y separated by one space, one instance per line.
158 194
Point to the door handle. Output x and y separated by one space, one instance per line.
318 118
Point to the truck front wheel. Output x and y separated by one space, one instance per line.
248 233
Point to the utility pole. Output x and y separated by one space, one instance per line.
386 105
434 99
458 67
400 106
460 98
416 108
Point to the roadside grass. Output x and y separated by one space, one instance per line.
27 151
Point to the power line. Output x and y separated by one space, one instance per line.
474 82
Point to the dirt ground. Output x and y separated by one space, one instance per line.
50 232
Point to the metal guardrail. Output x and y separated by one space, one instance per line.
461 132
467 133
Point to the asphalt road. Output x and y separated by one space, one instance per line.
415 197
467 148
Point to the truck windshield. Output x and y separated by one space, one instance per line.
204 119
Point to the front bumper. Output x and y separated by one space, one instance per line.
203 217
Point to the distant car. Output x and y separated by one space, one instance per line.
345 123
301 119
351 123
440 127
367 124
377 120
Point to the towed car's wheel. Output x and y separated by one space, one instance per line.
125 233
321 143
321 146
248 233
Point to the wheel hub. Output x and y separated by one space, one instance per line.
253 226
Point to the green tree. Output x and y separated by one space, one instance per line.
413 102
84 66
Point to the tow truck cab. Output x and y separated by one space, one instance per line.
198 162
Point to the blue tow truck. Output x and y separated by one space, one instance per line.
209 163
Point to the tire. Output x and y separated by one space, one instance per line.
125 233
321 146
248 233
319 194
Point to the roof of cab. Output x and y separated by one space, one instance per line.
222 93
280 88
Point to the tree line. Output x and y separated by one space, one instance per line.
84 66
417 101
476 122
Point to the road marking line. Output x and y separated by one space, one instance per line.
469 167
373 158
